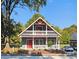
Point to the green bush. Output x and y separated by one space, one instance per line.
50 43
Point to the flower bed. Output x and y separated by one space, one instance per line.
56 51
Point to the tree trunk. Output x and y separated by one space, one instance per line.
7 18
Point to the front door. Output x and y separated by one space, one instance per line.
29 43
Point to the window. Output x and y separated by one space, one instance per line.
23 41
42 41
40 27
39 41
36 42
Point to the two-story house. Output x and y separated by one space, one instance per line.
37 35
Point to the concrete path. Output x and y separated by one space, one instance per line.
38 57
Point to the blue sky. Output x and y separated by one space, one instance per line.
61 13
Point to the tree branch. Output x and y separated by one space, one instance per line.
12 8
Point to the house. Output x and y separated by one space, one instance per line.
73 41
37 35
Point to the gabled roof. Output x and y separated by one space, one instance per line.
35 18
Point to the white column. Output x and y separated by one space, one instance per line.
33 29
46 38
33 42
26 45
33 38
56 42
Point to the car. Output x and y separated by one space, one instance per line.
75 48
69 50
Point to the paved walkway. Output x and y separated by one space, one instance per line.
38 57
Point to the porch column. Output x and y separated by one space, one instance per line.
56 42
33 29
33 42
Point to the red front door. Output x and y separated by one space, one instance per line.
29 43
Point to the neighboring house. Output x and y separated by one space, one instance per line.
37 34
73 41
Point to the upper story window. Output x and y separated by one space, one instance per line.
40 27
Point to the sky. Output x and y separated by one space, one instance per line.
61 13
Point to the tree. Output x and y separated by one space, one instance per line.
5 27
35 4
19 28
65 36
8 25
8 7
71 29
58 29
15 40
67 32
34 17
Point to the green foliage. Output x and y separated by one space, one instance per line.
34 17
35 4
50 43
19 28
15 40
12 29
7 24
66 33
9 28
65 36
57 29
71 29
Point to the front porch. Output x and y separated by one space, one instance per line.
39 43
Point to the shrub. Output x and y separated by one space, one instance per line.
50 43
56 51
5 51
45 49
23 51
39 54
